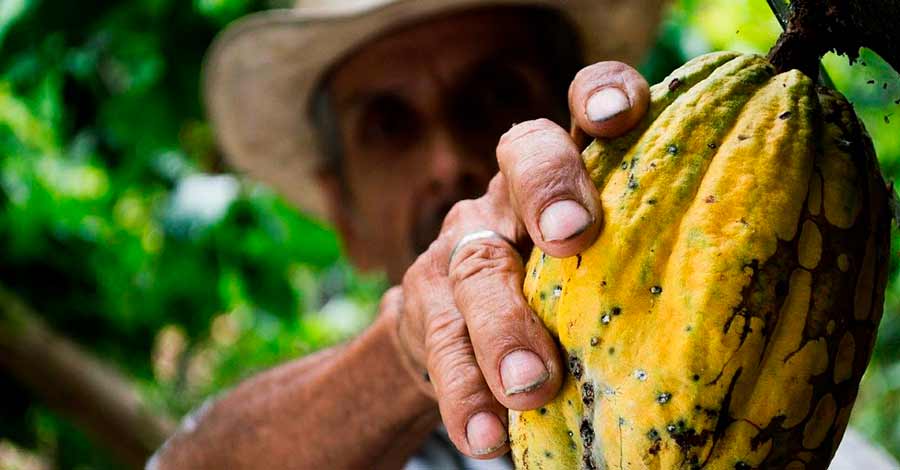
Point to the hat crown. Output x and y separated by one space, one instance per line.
324 5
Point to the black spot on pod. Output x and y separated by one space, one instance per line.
616 311
578 261
595 341
656 290
741 465
587 393
784 115
542 411
672 149
663 398
575 367
696 377
587 433
675 84
632 183
587 438
711 145
624 164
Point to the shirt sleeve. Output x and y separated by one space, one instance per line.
438 453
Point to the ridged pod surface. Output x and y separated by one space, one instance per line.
728 309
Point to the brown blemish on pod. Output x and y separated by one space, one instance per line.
865 283
843 361
840 424
810 247
820 422
814 200
843 262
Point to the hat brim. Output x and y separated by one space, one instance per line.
261 72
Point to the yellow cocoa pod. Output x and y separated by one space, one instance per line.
728 309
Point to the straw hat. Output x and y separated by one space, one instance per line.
262 71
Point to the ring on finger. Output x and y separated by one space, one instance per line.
474 236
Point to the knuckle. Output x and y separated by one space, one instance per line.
524 129
392 299
486 258
460 211
447 334
509 143
602 71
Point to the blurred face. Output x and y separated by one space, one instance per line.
420 112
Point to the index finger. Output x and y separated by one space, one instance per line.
549 187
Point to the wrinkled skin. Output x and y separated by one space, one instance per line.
408 158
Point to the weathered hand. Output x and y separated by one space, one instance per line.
466 320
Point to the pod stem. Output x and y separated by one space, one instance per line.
843 26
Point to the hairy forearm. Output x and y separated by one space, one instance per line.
348 407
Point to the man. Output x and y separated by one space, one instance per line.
406 101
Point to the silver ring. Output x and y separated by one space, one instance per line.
471 237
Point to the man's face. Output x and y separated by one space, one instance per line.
420 112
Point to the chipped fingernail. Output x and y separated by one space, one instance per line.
606 104
485 433
522 371
563 220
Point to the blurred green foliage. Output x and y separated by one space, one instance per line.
118 224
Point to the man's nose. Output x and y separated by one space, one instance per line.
452 166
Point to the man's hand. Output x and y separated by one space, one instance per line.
466 320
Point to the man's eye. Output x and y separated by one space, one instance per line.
495 98
389 123
506 90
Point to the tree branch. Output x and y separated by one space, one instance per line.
818 26
90 393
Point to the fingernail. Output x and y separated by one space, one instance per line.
563 220
485 433
606 103
522 371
